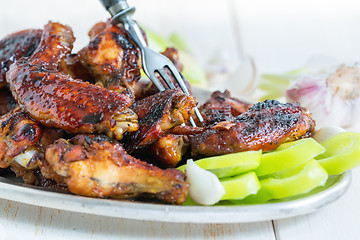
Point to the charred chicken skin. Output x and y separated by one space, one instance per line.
264 126
57 100
97 166
7 102
15 46
72 65
19 133
22 142
222 107
158 114
112 58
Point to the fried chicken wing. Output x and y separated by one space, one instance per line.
56 100
169 149
264 126
157 114
112 58
97 166
7 102
221 107
72 66
15 46
18 134
218 108
22 142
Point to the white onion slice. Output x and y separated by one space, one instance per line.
205 187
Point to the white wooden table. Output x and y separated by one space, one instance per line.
279 35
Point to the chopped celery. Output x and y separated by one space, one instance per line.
241 186
311 176
342 152
155 41
288 155
192 71
274 85
229 164
180 43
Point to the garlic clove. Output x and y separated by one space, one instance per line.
205 187
331 99
345 82
327 131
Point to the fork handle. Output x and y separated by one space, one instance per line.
121 12
114 6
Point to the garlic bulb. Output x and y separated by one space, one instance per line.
205 187
333 99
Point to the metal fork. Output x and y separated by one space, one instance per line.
152 62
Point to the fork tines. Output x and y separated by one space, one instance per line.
161 65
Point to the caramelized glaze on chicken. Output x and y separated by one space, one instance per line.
15 46
57 100
22 142
157 114
7 102
221 107
264 126
169 149
18 134
97 166
112 58
72 66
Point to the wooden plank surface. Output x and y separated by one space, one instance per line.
18 220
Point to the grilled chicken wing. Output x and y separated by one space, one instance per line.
7 102
57 100
221 107
218 108
112 58
72 65
169 149
157 114
15 46
96 166
22 142
264 126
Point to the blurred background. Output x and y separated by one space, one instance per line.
225 43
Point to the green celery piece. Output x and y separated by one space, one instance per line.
310 177
274 85
192 71
285 173
342 152
282 79
230 164
179 43
240 186
288 155
156 41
